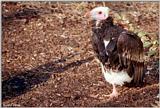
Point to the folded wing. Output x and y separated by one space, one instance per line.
130 52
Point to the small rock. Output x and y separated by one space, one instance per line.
147 73
158 96
58 94
149 68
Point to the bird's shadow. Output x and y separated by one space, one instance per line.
23 82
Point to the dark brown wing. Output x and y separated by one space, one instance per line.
130 51
98 46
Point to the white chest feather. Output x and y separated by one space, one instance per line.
117 78
105 43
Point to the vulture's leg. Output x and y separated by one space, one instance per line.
103 68
114 92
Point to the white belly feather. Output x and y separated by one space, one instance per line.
118 78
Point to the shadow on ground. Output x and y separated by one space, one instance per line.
23 82
25 13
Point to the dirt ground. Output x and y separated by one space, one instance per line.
47 57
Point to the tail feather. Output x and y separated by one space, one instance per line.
138 73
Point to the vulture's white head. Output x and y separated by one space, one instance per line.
99 13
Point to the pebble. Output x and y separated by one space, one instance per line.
158 96
58 94
147 73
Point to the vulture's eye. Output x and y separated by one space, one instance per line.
99 12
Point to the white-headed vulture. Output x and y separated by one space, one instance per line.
119 51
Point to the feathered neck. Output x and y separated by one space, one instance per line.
107 23
102 25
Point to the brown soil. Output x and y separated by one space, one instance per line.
47 57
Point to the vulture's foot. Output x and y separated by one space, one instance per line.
114 93
111 96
